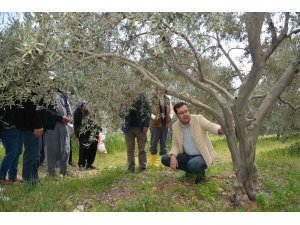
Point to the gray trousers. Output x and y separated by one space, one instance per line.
58 148
136 132
159 134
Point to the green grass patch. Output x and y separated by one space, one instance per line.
111 189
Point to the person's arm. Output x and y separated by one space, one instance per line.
171 110
77 122
208 125
173 162
69 110
175 143
175 148
51 113
67 105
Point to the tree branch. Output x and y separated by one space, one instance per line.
185 37
172 92
230 60
293 32
257 96
149 77
254 22
202 78
272 28
277 40
200 85
72 59
280 99
273 94
289 104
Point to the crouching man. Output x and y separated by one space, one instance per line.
191 149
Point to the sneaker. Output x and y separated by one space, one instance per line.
17 180
130 170
72 164
52 174
143 170
6 182
188 175
91 167
199 180
67 173
81 167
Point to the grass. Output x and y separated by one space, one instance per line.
111 189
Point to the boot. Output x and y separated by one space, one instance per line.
154 160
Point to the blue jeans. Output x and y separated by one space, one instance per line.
188 163
31 157
12 142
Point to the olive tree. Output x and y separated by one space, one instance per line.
189 55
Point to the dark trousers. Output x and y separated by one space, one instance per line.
42 147
87 154
70 156
31 157
141 137
188 163
159 134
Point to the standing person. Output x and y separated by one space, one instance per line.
191 149
30 121
83 129
57 135
12 141
136 125
160 123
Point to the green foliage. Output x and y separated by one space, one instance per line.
115 142
261 200
294 150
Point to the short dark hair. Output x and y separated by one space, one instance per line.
178 105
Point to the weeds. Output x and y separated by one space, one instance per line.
110 188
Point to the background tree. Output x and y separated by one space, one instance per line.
284 119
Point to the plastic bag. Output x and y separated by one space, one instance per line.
101 145
70 129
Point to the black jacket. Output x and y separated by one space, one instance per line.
52 117
142 113
77 122
29 118
7 117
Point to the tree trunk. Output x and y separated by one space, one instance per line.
246 171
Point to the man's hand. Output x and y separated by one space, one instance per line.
38 132
173 162
145 130
220 131
66 120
